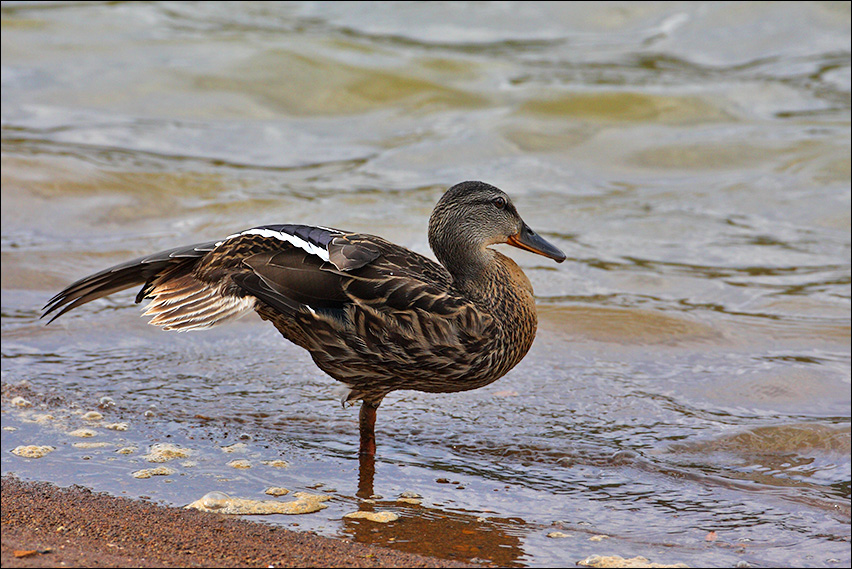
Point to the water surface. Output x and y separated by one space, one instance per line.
692 368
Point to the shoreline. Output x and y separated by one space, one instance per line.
76 527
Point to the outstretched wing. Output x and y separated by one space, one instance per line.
202 285
173 263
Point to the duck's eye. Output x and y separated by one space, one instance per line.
499 203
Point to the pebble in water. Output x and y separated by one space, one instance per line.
411 501
40 419
164 452
408 497
83 433
149 472
106 402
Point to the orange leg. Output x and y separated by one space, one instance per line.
367 420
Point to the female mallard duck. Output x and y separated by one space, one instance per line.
372 314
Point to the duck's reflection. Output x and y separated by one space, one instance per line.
432 531
366 475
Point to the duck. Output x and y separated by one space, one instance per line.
373 315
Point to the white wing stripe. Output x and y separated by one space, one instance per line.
291 239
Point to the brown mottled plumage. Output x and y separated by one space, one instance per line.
372 314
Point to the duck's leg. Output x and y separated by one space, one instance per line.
367 421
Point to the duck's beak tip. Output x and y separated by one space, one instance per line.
529 240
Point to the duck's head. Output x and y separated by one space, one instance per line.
469 217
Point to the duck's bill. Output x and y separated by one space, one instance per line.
531 241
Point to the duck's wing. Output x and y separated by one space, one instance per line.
302 279
174 263
198 286
355 270
294 269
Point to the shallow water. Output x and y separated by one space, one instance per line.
692 368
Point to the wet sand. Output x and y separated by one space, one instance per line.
75 527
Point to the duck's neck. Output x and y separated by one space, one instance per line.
471 269
483 275
490 279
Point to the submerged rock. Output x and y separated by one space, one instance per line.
221 503
83 433
604 561
32 451
149 472
40 418
164 452
92 445
411 501
378 517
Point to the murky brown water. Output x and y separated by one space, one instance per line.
692 370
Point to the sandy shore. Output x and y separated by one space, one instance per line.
47 526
